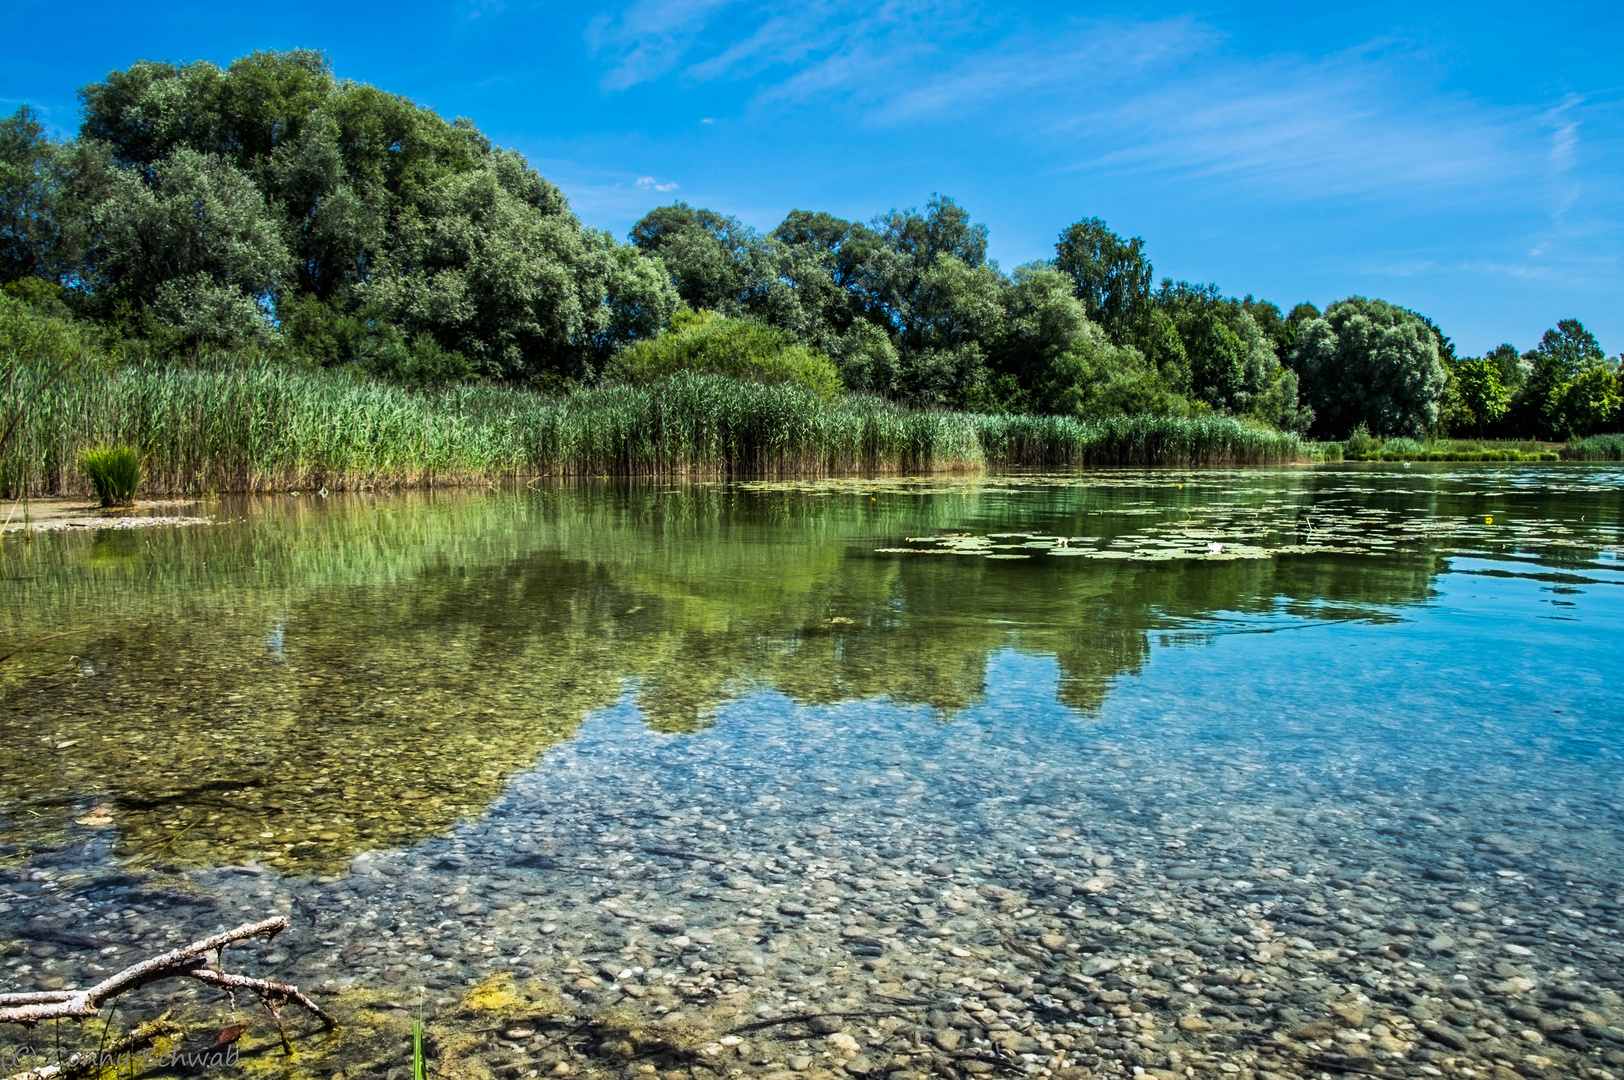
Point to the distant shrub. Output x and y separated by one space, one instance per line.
703 341
1360 443
115 473
1403 448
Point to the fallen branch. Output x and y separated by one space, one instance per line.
188 961
680 853
797 1018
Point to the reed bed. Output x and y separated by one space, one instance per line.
262 427
1595 448
1046 441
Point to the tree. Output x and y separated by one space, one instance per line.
1564 356
1213 354
1268 389
714 260
1509 366
1042 319
1372 363
1286 336
1093 377
1110 275
950 324
420 241
31 182
190 241
1590 402
1476 393
944 228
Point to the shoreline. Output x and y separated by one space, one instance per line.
76 508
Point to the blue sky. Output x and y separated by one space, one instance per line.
1461 159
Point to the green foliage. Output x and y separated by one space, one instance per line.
1475 396
741 348
716 263
1509 367
1570 388
306 187
1370 362
1362 446
1110 275
114 471
324 335
921 279
867 360
1403 448
1133 440
46 297
269 208
1360 442
247 426
33 331
1595 448
191 240
1588 402
31 182
1215 349
1286 336
1093 378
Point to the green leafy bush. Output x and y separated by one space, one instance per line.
1360 443
115 473
703 341
1403 448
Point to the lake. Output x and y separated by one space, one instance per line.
1178 772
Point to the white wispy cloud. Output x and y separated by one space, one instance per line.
649 38
1156 95
1173 100
649 183
704 40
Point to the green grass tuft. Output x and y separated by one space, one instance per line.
115 473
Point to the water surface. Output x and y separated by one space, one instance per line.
1237 748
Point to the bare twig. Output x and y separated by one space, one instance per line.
795 1018
267 991
41 640
189 961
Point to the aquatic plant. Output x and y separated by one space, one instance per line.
115 473
1402 449
1362 446
1595 448
1019 439
261 426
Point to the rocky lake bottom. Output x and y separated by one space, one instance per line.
1281 846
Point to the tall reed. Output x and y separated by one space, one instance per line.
1595 448
253 427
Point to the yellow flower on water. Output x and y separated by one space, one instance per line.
1488 521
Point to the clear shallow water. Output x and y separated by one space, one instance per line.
1273 743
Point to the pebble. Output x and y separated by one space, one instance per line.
1259 901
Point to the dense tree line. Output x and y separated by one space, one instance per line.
271 206
272 203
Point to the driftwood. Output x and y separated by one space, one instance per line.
188 961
